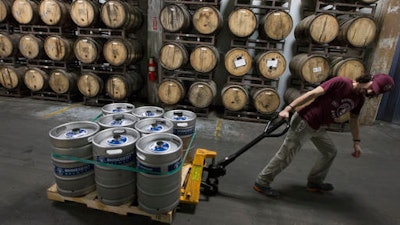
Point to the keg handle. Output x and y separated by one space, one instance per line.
178 114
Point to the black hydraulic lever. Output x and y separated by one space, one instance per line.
216 170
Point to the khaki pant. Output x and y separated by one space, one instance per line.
298 133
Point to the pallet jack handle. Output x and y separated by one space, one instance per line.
216 170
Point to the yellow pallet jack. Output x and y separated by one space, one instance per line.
194 185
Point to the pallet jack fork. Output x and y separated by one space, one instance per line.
194 183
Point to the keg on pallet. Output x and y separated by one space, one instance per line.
238 61
171 91
69 141
358 31
63 82
321 28
242 22
275 25
26 11
87 49
148 126
36 79
173 56
175 18
310 68
5 10
204 58
85 13
31 46
121 14
266 100
118 51
113 108
202 93
115 146
271 64
143 112
9 44
59 48
123 86
234 97
347 67
117 120
12 77
207 20
159 157
55 12
184 127
90 84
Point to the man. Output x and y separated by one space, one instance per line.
329 101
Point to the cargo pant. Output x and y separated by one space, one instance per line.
298 133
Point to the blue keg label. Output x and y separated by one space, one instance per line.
117 122
180 118
73 171
164 146
156 128
117 141
76 133
174 166
158 169
184 131
118 110
148 114
125 159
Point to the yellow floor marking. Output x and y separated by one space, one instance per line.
61 110
218 128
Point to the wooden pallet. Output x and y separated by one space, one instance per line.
91 201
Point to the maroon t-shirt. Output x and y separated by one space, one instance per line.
338 99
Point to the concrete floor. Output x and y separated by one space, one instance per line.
366 189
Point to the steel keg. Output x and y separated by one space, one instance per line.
184 127
117 120
69 141
113 108
154 125
115 146
159 157
148 112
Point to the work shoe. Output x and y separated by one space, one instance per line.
322 187
265 190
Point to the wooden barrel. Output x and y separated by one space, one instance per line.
207 20
173 56
347 67
118 51
202 93
291 94
26 11
123 86
8 44
5 10
63 82
271 64
242 22
320 28
88 50
121 14
275 25
238 61
85 13
55 12
90 84
204 58
175 18
31 46
59 48
234 97
171 91
12 77
359 31
266 100
313 69
36 79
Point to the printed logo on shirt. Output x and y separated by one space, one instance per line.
345 106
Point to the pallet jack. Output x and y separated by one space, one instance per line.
194 185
